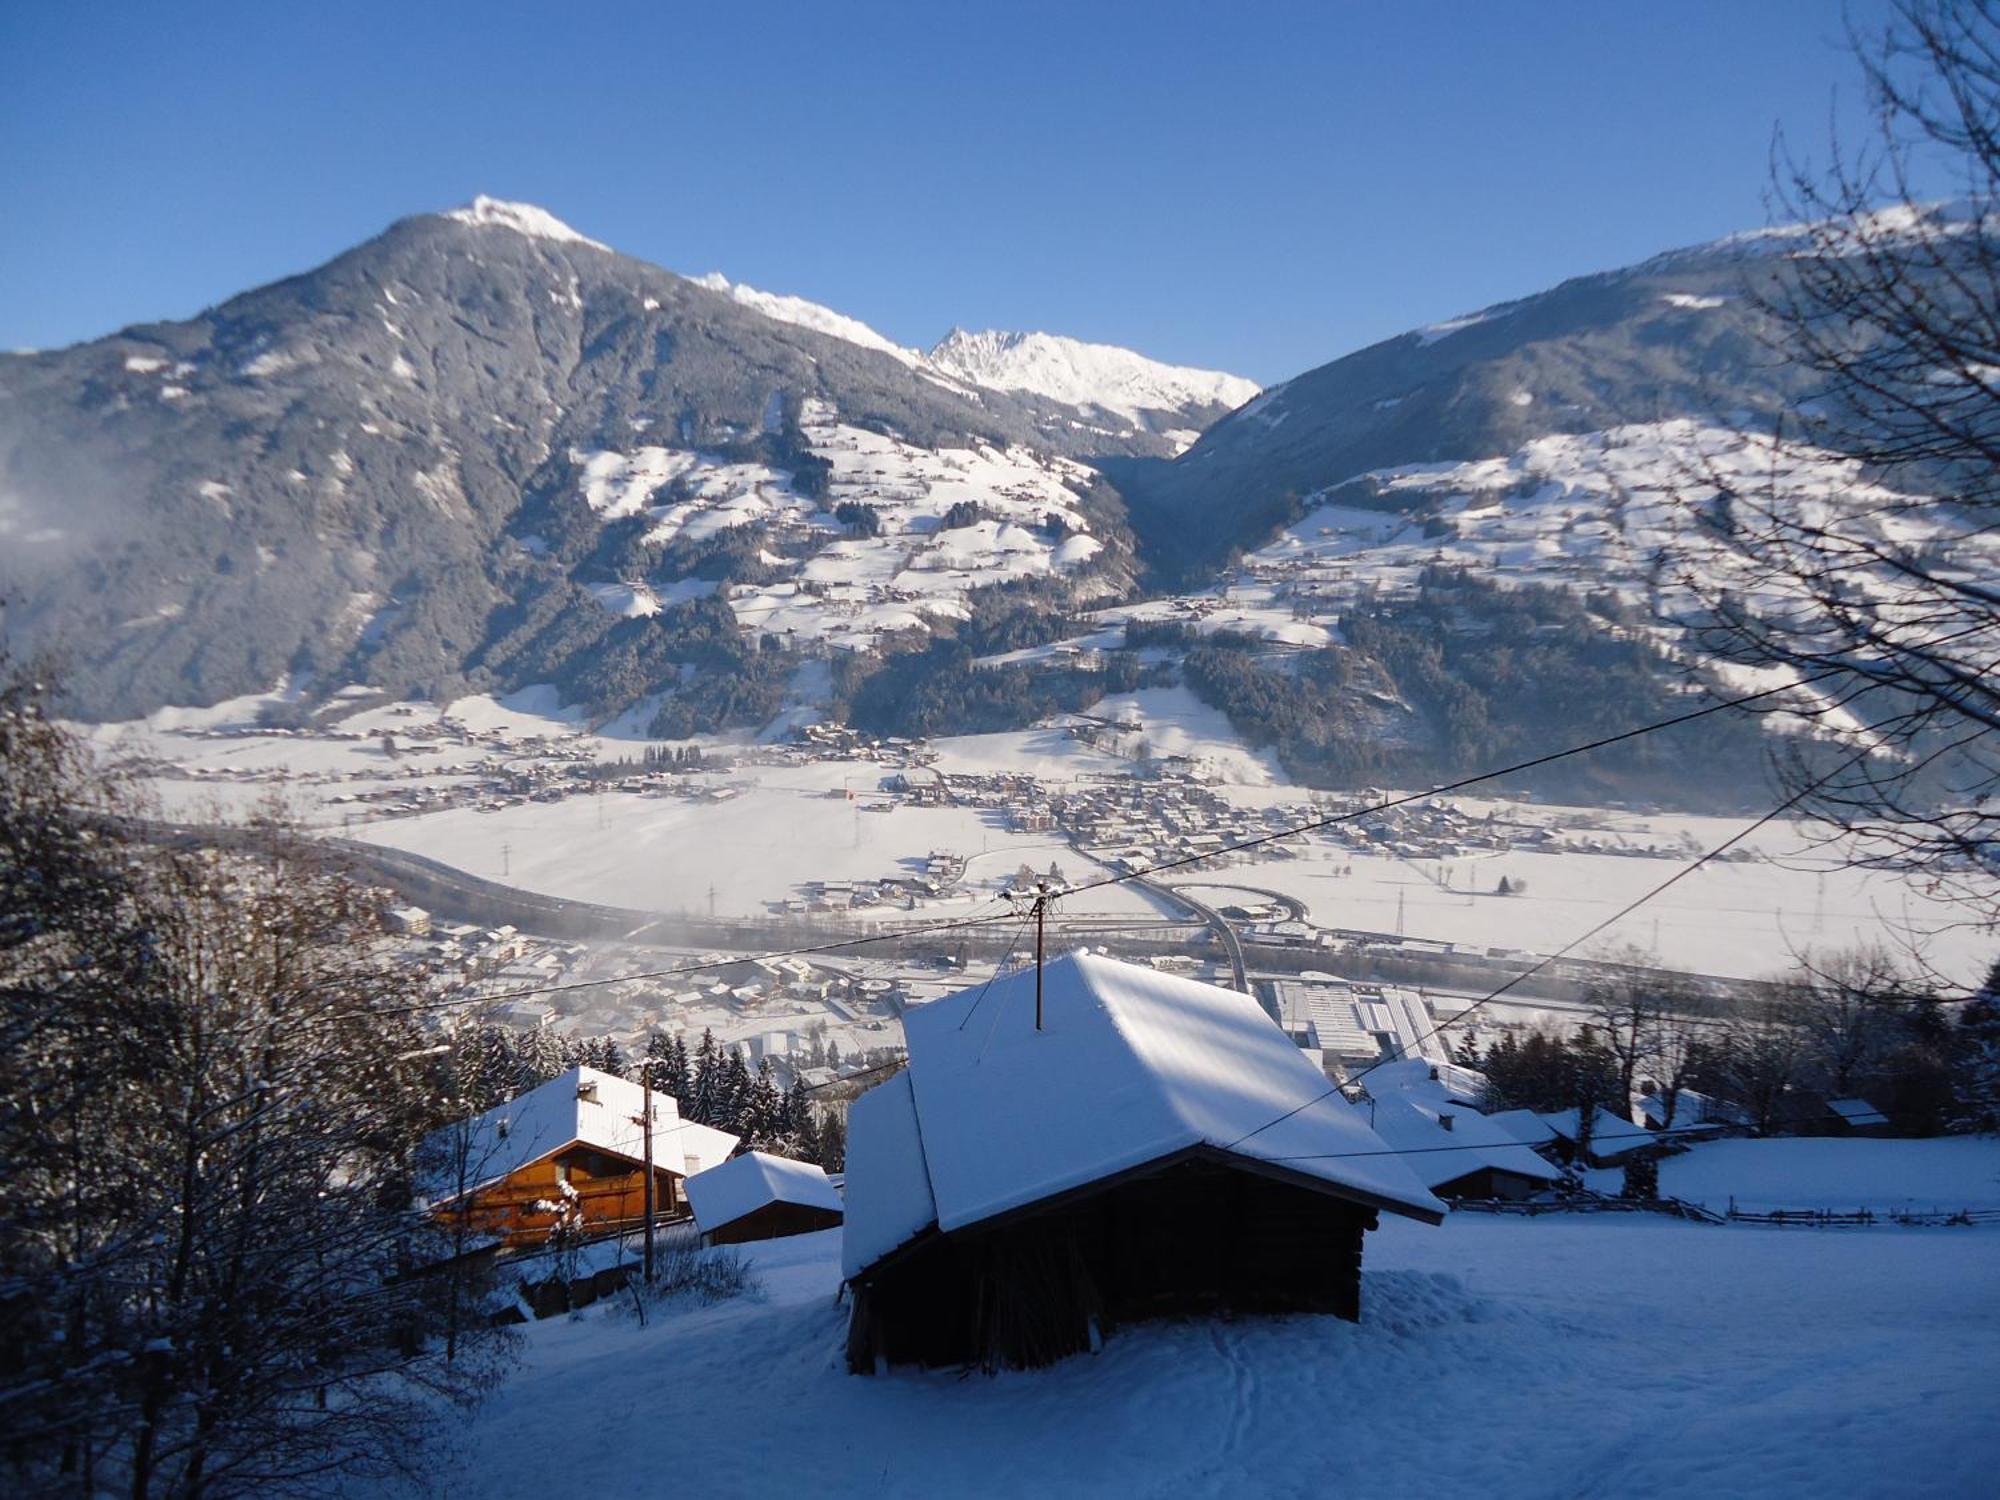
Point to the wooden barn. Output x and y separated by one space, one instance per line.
757 1196
569 1152
1156 1147
1460 1153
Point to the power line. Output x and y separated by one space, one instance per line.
1644 1137
1311 825
1576 942
1308 826
834 1083
998 969
1389 804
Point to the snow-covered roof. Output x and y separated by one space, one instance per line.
1132 1066
1438 1155
581 1107
1524 1125
1609 1135
1428 1082
1692 1111
742 1185
1857 1112
889 1199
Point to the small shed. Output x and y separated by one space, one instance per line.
1156 1147
757 1196
1856 1117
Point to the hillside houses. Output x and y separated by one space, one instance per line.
1458 1152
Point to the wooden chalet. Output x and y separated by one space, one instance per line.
757 1196
571 1152
1156 1147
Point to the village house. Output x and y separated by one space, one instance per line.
1610 1141
568 1153
1457 1152
1153 1147
757 1196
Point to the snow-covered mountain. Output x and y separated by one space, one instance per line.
1103 376
803 314
483 449
1678 336
1116 385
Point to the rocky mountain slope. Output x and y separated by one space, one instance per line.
483 449
1673 337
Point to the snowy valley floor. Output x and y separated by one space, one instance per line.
1626 1356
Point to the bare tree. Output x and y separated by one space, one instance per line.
73 1010
1883 592
1646 1017
1759 1057
1681 1051
1849 1006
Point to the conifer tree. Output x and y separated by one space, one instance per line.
733 1093
763 1114
703 1103
829 1141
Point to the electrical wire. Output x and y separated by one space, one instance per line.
1352 815
1708 855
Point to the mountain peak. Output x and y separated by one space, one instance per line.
1080 374
523 218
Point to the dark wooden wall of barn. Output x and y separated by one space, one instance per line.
1199 1237
774 1221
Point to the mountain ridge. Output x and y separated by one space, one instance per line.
370 471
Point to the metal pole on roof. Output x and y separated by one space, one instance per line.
1041 909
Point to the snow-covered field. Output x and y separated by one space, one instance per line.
1741 920
788 825
1948 1174
1631 1356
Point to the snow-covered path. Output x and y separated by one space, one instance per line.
1583 1357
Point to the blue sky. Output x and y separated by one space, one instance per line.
1257 187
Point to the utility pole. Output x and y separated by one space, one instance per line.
1042 893
646 1123
506 860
